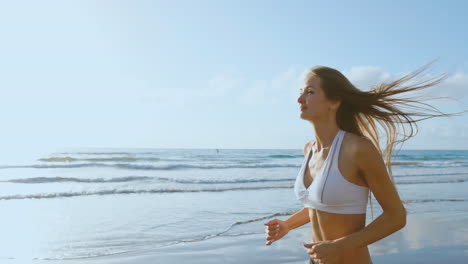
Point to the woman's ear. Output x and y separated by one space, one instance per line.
335 105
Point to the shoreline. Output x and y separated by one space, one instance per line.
427 238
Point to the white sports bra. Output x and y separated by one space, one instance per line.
330 191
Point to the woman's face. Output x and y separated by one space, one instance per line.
312 100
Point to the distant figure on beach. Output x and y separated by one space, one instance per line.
344 164
217 151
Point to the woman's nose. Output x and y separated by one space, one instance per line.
300 100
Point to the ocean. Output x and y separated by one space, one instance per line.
95 202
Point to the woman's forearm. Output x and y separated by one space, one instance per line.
381 227
298 219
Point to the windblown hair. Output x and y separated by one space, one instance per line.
361 111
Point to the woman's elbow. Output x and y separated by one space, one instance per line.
396 218
400 219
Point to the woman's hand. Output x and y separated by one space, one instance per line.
325 252
275 229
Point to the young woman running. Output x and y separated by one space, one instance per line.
345 164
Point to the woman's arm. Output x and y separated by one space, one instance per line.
298 219
393 218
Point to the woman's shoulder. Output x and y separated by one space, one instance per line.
356 144
353 138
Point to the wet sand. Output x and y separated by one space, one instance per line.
427 238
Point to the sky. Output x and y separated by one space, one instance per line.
211 74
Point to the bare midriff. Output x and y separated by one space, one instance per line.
330 226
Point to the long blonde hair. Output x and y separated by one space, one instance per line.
360 111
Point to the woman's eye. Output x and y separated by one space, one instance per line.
309 91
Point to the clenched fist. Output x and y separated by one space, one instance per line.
275 229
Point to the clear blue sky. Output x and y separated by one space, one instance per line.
210 74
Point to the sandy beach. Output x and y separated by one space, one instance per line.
427 238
